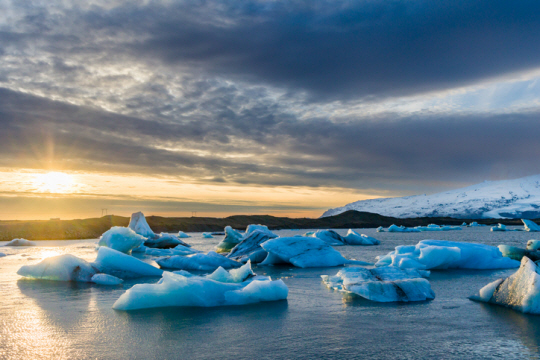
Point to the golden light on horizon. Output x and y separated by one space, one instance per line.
54 182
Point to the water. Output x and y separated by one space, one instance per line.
56 320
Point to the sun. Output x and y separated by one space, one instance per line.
54 182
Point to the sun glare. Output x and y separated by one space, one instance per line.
54 182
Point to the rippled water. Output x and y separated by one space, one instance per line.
56 320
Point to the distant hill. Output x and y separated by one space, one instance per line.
515 199
93 228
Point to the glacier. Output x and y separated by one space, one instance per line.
122 239
203 262
385 284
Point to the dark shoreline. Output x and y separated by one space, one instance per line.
94 227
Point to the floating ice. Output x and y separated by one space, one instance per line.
516 253
330 237
354 238
183 235
250 247
533 244
138 224
530 225
122 239
20 242
232 238
440 254
164 241
104 279
251 228
179 250
204 262
115 263
2 255
520 291
234 275
475 224
380 229
464 224
499 227
386 284
178 290
207 236
435 227
65 267
301 252
395 228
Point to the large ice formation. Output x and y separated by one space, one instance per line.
354 238
520 291
301 252
20 242
232 238
204 262
440 254
165 241
385 284
122 239
250 247
65 267
530 225
115 263
330 237
138 224
216 289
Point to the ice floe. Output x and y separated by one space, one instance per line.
183 235
118 264
530 225
354 238
435 227
440 254
380 229
232 238
204 262
330 237
250 247
251 228
214 290
65 267
385 284
138 224
499 227
122 239
516 253
104 279
164 241
234 275
533 244
20 242
520 291
207 236
395 228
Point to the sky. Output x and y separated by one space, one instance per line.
285 108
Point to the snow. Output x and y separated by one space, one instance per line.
179 290
138 224
354 238
20 242
395 228
183 235
520 291
250 247
533 244
122 239
302 252
204 262
386 284
330 237
65 267
499 227
530 225
179 250
207 236
232 238
115 263
104 279
440 254
516 253
164 241
517 198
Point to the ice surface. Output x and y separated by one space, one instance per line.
138 224
499 227
122 239
207 236
302 252
520 291
115 263
178 290
516 253
104 279
330 237
183 235
530 225
232 238
179 250
20 242
234 275
386 284
164 241
440 254
205 262
354 238
65 267
250 247
395 228
533 244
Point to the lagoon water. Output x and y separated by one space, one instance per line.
59 320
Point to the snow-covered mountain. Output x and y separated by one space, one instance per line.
518 198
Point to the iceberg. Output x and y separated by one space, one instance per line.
104 279
330 237
65 267
386 284
435 227
232 238
520 291
214 290
203 262
250 247
530 225
440 254
499 227
234 275
138 224
20 242
122 239
464 224
179 250
253 227
112 262
207 236
302 252
183 235
380 229
395 228
533 244
516 253
164 241
354 238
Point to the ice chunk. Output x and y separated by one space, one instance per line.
435 227
440 254
104 279
395 228
204 262
250 247
533 244
164 241
183 235
122 239
520 291
499 227
179 290
251 228
386 284
20 242
2 255
330 237
207 236
138 224
530 225
464 224
232 238
65 267
380 229
354 238
179 250
115 263
234 275
516 253
301 252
